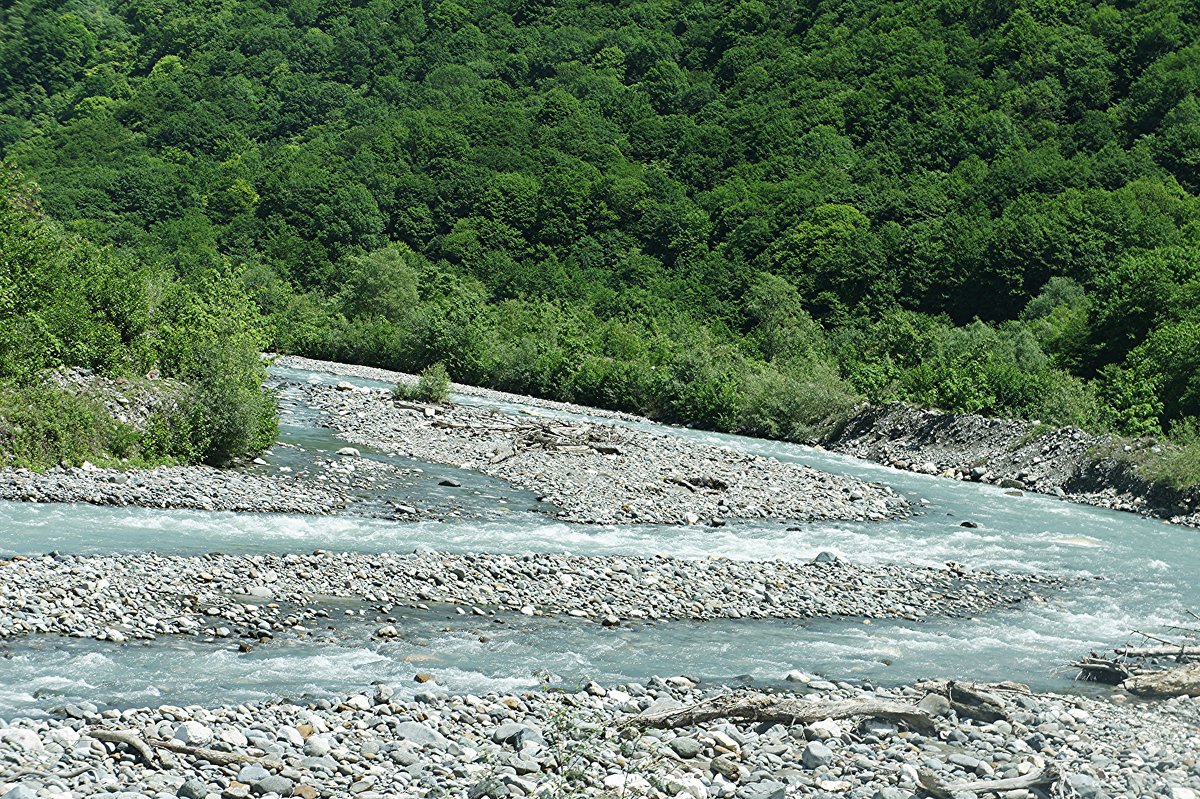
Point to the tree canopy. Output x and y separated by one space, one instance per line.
732 213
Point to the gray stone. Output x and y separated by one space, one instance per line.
20 792
964 760
316 746
420 734
192 789
273 784
816 754
768 789
727 768
935 705
687 747
193 732
1086 786
517 734
252 774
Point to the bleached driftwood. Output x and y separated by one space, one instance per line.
144 748
786 710
1179 681
131 740
979 701
1161 651
935 786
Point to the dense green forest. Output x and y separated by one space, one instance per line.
65 302
747 215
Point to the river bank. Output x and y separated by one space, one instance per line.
583 472
617 741
420 655
1015 455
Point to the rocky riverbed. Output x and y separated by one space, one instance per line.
140 597
1016 455
602 473
326 485
405 738
591 742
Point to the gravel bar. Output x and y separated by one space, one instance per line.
123 597
325 486
596 473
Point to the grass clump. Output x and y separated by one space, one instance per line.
1177 462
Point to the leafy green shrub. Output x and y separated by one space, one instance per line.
67 302
794 404
210 340
433 386
43 426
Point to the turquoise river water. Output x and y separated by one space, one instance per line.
1141 575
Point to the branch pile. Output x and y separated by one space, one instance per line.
1154 666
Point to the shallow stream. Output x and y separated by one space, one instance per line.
1140 574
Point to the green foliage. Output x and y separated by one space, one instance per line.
62 299
433 386
735 214
212 343
42 426
67 302
1177 462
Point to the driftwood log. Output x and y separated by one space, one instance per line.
1179 681
131 740
1160 651
1163 668
144 747
978 701
935 786
786 710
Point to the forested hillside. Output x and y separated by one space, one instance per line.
747 215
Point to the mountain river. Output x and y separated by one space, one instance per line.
1137 574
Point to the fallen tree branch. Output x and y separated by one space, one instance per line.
977 701
1098 669
131 740
143 748
1175 650
1154 638
218 758
935 786
785 710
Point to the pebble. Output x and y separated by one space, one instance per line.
816 755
